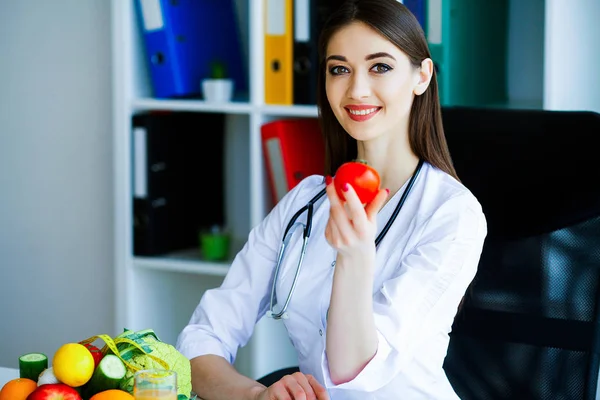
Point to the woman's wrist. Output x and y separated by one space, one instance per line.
255 392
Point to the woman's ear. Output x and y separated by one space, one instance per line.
425 73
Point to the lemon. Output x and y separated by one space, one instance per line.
73 364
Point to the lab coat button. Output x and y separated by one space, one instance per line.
321 332
333 264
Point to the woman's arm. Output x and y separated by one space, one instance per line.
213 378
351 333
412 307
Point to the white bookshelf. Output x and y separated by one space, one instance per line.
161 292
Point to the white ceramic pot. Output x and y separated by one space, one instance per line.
217 90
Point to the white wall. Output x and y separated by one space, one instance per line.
572 58
56 202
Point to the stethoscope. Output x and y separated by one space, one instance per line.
293 225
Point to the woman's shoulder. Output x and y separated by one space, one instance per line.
447 205
441 188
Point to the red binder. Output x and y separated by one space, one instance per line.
293 149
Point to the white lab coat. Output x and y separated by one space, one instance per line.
424 266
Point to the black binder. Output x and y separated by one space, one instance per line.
177 179
309 18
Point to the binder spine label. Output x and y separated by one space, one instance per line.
301 20
434 22
152 15
277 168
275 17
140 160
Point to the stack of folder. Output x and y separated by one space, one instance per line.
291 34
472 30
175 158
184 39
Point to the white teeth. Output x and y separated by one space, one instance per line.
362 112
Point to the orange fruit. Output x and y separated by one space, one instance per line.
73 364
112 394
17 389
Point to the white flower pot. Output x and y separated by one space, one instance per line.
217 90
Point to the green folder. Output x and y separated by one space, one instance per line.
468 40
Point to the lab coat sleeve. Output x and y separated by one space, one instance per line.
422 299
225 316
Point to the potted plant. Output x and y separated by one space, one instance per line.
218 87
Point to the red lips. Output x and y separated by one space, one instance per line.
361 112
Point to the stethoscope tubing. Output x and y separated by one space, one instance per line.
306 234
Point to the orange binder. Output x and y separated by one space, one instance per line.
279 58
293 149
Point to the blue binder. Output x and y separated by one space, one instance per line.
184 38
417 7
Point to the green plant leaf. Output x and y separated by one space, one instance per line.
218 70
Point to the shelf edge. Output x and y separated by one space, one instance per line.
170 265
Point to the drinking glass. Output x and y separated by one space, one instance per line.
152 384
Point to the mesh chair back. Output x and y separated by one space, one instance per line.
528 328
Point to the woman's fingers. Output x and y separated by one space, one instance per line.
294 388
277 391
318 389
376 204
297 386
354 207
350 220
305 384
341 229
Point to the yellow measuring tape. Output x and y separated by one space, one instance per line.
112 345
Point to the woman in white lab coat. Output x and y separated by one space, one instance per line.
368 321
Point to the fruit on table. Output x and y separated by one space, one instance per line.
31 365
96 353
47 376
363 178
54 391
107 375
112 394
17 389
73 364
169 356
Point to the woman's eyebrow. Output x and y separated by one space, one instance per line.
367 57
337 58
379 55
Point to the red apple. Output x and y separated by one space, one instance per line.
54 391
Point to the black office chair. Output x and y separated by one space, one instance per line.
528 328
274 376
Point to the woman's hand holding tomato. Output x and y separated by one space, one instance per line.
364 180
352 225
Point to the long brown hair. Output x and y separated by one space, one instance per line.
396 23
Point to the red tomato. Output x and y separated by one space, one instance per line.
363 178
96 353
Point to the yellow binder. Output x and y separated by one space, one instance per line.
279 44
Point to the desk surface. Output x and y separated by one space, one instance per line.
6 374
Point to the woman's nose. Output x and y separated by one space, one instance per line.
359 87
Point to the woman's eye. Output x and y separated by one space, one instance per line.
337 70
381 68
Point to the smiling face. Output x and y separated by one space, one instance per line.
370 83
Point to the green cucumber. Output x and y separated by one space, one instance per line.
31 365
107 375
